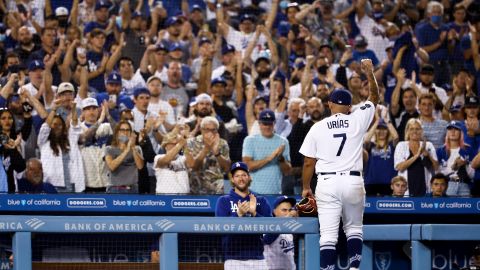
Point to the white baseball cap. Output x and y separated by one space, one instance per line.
65 86
203 97
89 102
154 77
61 11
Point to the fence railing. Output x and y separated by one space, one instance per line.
169 228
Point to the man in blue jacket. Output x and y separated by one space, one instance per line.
242 251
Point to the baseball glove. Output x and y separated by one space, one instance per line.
307 207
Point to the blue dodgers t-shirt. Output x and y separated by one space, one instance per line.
466 44
368 54
380 158
268 179
93 61
427 35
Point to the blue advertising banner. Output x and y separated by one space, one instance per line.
103 203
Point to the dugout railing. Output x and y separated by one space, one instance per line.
421 236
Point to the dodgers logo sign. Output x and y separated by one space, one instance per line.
383 260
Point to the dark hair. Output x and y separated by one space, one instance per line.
125 58
11 55
44 30
117 129
439 176
13 132
59 141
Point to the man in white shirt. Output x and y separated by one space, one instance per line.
157 105
130 80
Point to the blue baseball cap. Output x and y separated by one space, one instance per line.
265 98
219 80
341 96
203 40
455 108
174 46
171 21
247 17
454 124
228 49
239 166
36 64
267 116
283 198
195 7
160 47
139 91
102 4
382 124
114 78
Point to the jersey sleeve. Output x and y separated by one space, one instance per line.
222 209
309 146
364 115
263 209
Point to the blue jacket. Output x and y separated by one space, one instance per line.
242 247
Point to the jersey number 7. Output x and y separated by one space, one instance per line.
344 139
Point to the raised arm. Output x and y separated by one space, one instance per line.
74 14
367 67
272 47
271 15
113 59
395 102
221 19
474 45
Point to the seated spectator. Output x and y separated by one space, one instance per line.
170 168
208 158
123 159
380 155
10 149
61 157
454 158
415 159
399 186
279 248
438 184
32 182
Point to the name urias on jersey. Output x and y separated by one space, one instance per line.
339 123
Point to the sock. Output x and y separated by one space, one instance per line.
354 246
328 255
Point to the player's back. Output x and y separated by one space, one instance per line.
337 141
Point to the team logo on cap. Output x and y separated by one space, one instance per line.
237 164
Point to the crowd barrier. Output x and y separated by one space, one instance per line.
178 204
421 236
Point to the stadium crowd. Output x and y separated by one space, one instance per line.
163 96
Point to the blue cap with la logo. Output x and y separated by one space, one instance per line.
239 166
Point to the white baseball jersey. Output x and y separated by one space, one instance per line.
280 253
337 141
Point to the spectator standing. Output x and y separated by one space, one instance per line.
32 182
10 148
174 91
380 155
207 157
415 159
433 37
155 86
95 134
403 106
268 156
60 153
454 161
433 129
170 168
123 159
242 251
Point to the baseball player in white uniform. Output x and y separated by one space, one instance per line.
333 148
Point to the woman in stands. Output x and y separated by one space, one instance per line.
170 168
59 151
415 159
123 159
454 158
10 149
380 155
